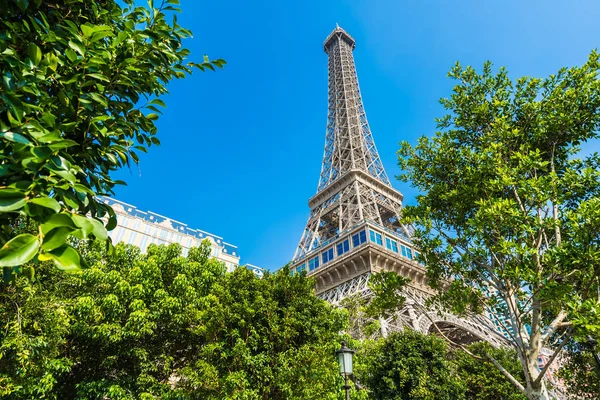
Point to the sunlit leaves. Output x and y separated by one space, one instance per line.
77 78
19 250
509 208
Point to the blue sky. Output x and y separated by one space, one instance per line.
242 148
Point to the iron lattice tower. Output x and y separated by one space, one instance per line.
353 186
354 226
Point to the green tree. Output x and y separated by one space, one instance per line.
33 340
509 212
159 325
409 366
482 380
268 338
80 94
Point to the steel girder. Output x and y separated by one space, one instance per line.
418 315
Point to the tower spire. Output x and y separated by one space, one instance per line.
353 185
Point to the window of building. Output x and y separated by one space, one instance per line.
313 264
300 268
119 235
327 255
343 247
376 237
403 250
143 243
359 238
409 253
391 244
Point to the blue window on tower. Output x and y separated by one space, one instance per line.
391 244
359 238
403 250
300 268
313 264
376 237
409 253
343 247
327 255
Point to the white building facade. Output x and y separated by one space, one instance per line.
141 228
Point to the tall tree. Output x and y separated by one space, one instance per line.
80 95
510 209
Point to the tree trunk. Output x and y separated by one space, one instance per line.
539 391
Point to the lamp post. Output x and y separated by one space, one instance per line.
345 360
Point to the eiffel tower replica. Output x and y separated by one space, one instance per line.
354 227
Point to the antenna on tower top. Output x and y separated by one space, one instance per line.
337 25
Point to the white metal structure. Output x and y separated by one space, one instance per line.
354 227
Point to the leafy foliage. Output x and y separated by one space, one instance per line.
159 325
409 366
387 296
80 98
367 315
511 209
482 380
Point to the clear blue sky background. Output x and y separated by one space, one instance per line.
242 148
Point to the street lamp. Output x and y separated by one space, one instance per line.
345 360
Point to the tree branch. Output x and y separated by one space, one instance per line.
553 357
507 374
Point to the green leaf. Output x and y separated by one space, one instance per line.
98 98
47 202
4 170
158 102
78 47
56 237
34 53
84 223
15 137
87 30
57 220
100 77
99 231
22 4
52 61
19 250
11 200
66 258
112 219
70 55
